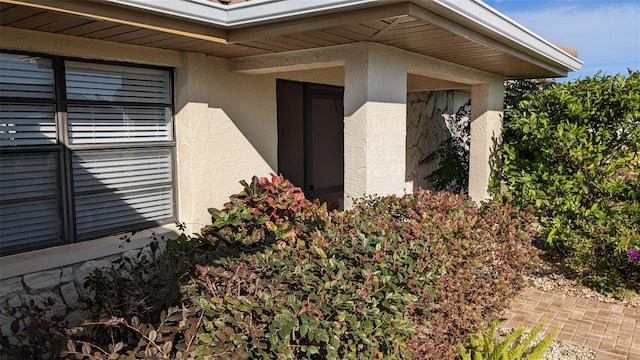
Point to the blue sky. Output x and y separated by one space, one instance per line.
606 33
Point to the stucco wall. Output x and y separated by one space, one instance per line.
226 130
426 129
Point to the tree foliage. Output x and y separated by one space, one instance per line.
572 150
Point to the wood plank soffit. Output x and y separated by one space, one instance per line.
317 23
128 16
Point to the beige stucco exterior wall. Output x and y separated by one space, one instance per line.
226 130
221 136
375 108
374 123
225 122
486 133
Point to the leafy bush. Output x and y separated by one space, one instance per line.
452 154
394 277
35 335
516 90
572 151
265 212
367 286
146 285
313 294
136 309
514 346
479 255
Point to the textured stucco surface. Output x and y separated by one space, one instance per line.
486 133
225 129
374 132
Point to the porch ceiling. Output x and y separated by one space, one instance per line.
402 25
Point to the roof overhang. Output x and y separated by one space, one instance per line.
466 32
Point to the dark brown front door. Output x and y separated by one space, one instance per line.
311 139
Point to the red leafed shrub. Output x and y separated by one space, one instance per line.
393 277
478 253
266 211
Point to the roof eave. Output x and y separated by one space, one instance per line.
476 13
239 14
472 14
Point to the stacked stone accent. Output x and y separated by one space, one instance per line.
60 292
426 129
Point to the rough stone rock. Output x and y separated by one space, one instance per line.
87 268
162 245
83 272
426 129
14 302
132 254
67 274
146 255
42 280
70 295
52 303
5 324
11 286
76 317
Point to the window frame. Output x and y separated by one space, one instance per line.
64 150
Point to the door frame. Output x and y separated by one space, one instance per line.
312 91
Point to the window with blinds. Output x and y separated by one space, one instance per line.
86 150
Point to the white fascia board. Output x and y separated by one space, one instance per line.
482 14
245 13
201 10
260 11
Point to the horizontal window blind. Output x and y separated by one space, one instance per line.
27 124
104 82
121 187
105 134
118 124
26 76
29 207
104 212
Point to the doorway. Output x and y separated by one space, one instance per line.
311 139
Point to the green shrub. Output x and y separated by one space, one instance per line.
394 277
266 211
452 154
383 280
146 285
572 151
514 346
323 292
34 334
478 255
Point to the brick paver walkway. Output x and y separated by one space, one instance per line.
612 330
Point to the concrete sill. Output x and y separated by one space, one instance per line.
59 256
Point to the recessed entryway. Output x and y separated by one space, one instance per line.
311 139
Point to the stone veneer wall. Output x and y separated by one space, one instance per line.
426 129
59 291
